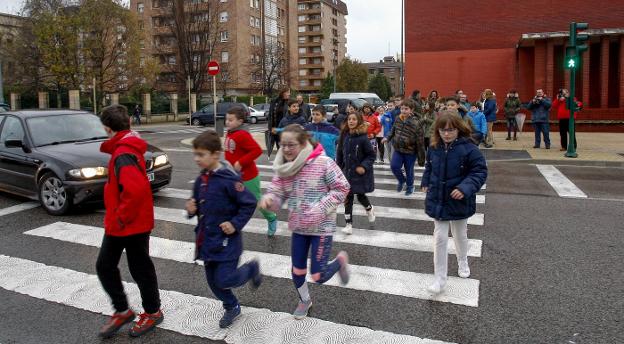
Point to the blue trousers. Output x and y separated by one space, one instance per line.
406 161
542 128
318 248
223 276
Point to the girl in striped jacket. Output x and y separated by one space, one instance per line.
312 186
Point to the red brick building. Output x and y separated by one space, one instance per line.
502 45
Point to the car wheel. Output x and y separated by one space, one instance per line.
253 120
53 196
196 122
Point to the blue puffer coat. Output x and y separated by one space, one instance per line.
460 166
221 196
489 110
325 134
356 150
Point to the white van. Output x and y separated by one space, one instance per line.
371 98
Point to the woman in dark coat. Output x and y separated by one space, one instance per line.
455 171
356 157
277 110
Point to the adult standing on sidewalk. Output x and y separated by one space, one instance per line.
540 114
489 110
563 115
304 109
512 107
277 110
128 223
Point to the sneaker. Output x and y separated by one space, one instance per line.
256 277
146 323
437 287
409 191
344 273
508 138
400 187
348 229
229 316
115 322
515 139
547 147
536 146
302 309
272 228
463 269
562 149
371 214
488 145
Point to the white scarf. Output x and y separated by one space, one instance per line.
290 168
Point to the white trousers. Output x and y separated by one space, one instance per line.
459 229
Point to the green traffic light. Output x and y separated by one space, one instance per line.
571 63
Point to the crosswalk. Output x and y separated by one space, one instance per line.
406 282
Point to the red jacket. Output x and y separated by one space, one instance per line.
562 110
241 147
127 196
374 127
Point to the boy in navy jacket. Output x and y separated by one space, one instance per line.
223 207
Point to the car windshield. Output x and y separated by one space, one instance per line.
57 129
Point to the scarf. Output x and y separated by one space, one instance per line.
290 168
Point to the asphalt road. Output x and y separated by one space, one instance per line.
549 270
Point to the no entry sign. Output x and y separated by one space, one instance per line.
213 67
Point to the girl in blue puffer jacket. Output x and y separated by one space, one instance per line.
455 170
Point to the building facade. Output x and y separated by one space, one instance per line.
10 27
519 45
390 68
321 41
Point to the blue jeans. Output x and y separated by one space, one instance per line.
406 161
539 129
223 276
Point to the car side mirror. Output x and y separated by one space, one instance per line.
17 144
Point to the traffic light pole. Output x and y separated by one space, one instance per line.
571 153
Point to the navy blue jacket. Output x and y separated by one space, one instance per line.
489 110
461 166
356 150
292 119
221 196
540 110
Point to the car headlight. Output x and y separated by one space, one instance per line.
161 160
89 172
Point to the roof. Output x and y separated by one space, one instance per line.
529 38
37 113
338 5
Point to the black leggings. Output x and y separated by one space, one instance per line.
140 266
380 148
362 198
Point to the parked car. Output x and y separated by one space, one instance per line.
329 110
262 107
371 98
5 107
256 116
54 156
342 103
206 114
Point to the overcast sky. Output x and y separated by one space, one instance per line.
373 27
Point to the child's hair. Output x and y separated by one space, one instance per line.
301 135
320 109
345 127
292 102
115 117
453 120
410 103
357 108
237 111
452 99
368 106
208 140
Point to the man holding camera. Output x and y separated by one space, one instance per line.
563 115
540 110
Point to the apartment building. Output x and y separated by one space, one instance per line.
390 68
321 41
246 29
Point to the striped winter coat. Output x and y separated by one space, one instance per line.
312 195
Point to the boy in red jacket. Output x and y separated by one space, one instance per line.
241 150
128 223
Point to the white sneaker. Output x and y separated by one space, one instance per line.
437 287
371 215
463 270
348 229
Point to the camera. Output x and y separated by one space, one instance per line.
560 93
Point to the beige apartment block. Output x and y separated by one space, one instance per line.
389 67
321 41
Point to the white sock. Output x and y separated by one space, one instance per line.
304 294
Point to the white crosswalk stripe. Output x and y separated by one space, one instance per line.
19 207
560 183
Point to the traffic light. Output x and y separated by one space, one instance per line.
577 45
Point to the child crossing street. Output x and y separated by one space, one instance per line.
223 206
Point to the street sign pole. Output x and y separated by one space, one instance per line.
189 99
574 61
571 152
214 101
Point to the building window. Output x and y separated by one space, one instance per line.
142 44
302 7
258 24
303 83
302 50
225 57
303 61
281 31
155 3
251 21
302 39
196 38
140 7
223 17
141 25
302 28
171 60
303 72
317 82
224 36
302 18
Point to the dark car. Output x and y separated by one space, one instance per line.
206 114
54 156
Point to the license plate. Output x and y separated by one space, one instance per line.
150 176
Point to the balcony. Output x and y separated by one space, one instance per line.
310 65
310 54
309 44
312 33
161 30
309 11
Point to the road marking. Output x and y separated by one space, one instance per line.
462 291
560 183
389 212
184 313
19 207
367 237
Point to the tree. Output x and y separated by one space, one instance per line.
379 84
351 76
269 67
327 87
